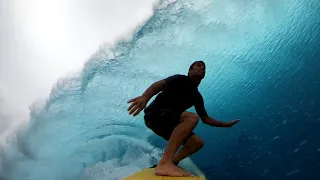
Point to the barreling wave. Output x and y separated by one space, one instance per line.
83 130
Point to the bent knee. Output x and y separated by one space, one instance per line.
197 141
192 117
200 142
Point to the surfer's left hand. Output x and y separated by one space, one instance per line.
233 122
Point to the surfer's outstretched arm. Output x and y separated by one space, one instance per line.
154 89
206 119
213 122
140 102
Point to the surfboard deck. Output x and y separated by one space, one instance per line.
148 174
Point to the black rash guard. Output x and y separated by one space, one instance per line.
181 94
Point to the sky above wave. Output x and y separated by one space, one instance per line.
42 41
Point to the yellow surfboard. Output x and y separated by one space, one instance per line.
148 174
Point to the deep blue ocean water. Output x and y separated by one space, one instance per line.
263 62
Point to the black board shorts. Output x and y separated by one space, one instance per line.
162 122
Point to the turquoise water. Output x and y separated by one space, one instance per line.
263 65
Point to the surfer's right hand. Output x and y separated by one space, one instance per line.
138 104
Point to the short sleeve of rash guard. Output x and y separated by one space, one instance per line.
171 80
199 106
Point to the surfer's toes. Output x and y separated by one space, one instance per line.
171 170
184 172
168 170
187 174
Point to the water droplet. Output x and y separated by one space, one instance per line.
292 172
275 138
303 142
296 150
265 172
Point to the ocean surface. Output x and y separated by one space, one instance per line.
263 67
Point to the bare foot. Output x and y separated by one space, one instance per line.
187 173
184 172
170 170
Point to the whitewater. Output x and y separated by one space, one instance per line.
262 60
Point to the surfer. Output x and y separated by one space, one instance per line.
167 117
